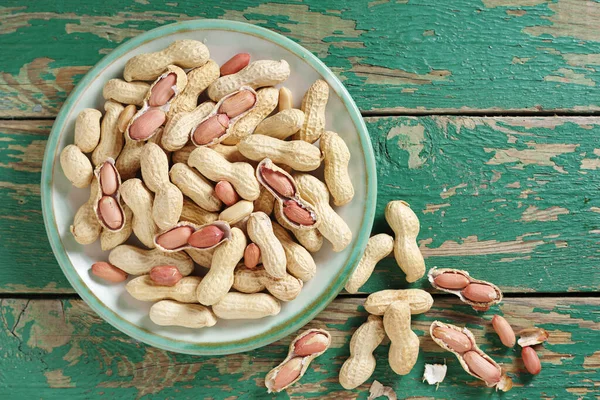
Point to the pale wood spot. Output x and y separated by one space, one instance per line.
537 154
565 75
452 191
432 208
411 139
377 75
512 3
571 18
56 379
532 213
471 245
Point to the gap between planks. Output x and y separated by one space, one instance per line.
424 113
75 296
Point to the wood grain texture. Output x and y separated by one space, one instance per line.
54 349
393 56
512 200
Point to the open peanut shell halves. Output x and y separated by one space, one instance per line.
302 351
153 114
296 211
217 125
107 204
532 336
480 295
187 235
474 361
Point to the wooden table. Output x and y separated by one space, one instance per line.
483 115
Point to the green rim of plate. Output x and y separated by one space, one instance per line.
283 328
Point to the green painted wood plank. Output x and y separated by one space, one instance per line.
512 200
28 264
54 349
464 55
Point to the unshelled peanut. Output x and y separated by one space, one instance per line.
256 280
331 225
219 278
281 125
226 193
198 80
195 186
165 275
313 106
124 92
297 154
172 313
260 231
251 256
405 224
378 247
216 168
336 158
193 213
419 300
145 289
168 199
531 360
111 140
360 365
299 261
87 129
246 306
404 347
149 66
258 74
136 261
76 166
140 200
235 64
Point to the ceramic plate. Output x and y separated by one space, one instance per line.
60 200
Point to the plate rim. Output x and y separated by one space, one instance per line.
283 328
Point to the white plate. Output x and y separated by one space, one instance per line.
61 200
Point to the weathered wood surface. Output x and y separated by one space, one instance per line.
512 200
63 345
394 56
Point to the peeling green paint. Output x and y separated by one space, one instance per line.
512 200
103 361
482 55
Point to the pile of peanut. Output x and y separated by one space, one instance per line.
224 184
